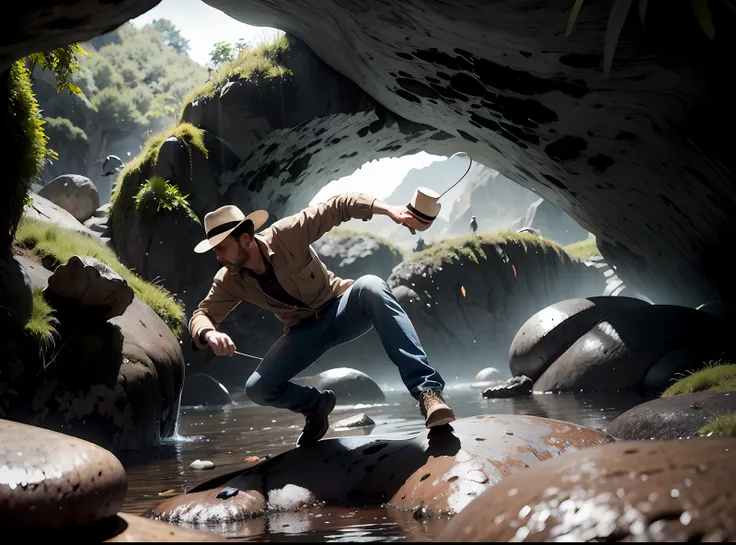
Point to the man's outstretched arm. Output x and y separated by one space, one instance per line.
310 224
211 311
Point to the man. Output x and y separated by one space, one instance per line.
278 270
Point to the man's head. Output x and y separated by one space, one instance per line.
230 234
233 252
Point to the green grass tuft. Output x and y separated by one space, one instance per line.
55 245
262 61
583 249
724 425
167 197
717 377
471 247
41 324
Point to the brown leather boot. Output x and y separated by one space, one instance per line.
317 420
434 409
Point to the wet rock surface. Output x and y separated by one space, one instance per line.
676 417
441 469
48 212
627 491
51 480
350 385
551 331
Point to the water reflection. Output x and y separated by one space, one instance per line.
231 435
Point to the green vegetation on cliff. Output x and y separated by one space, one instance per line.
23 142
163 195
724 425
715 378
136 172
132 84
583 249
54 245
472 247
262 61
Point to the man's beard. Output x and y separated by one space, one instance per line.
234 267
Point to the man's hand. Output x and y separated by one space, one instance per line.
221 343
400 214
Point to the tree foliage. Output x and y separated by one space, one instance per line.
225 52
131 85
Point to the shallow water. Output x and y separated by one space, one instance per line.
227 435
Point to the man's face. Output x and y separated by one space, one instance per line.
233 253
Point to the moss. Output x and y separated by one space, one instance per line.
54 245
135 173
471 247
716 377
164 195
262 61
23 139
722 425
583 249
40 325
343 234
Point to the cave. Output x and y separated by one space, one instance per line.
639 158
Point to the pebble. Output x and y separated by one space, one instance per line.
202 464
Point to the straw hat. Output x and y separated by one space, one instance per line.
219 223
424 207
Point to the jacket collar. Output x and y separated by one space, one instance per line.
264 244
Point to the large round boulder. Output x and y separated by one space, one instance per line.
75 194
350 385
51 480
627 491
116 382
441 469
676 417
551 331
632 348
467 299
351 254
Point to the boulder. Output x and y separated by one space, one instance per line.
87 282
624 491
202 389
350 385
115 383
551 331
513 387
441 469
134 528
97 224
629 350
490 376
102 211
467 301
351 254
75 194
676 417
52 480
16 297
44 210
357 421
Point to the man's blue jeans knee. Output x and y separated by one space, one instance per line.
368 303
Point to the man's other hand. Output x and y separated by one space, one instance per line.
221 343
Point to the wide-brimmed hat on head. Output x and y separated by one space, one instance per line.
219 223
424 207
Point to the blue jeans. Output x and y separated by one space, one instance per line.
368 303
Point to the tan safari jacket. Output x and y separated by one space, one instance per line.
287 245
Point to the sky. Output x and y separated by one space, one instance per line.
204 26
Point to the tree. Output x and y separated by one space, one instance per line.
223 52
172 35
